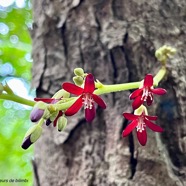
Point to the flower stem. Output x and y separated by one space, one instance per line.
128 86
116 88
160 75
103 89
17 99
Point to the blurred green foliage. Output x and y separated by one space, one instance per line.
15 62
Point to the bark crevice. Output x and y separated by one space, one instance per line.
36 175
64 40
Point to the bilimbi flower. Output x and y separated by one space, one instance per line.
140 121
86 98
145 94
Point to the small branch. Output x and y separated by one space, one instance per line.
18 99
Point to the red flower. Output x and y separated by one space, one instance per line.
145 93
51 101
140 122
86 98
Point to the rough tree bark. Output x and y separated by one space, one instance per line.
115 40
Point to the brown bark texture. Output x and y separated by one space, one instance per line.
115 40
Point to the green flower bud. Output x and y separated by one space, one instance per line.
30 130
31 136
61 123
140 110
78 80
36 134
40 105
8 89
53 116
78 71
46 114
51 108
61 94
164 52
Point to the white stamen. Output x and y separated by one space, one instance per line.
146 94
88 101
141 125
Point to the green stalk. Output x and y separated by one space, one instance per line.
159 76
117 87
17 99
103 89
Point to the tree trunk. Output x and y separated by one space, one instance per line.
115 40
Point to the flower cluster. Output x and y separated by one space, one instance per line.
86 92
140 119
46 111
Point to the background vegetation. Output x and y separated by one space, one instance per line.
15 69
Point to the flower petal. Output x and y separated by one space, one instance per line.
136 93
89 84
152 126
73 89
90 113
148 81
99 101
46 100
55 121
149 100
75 107
137 102
142 137
151 117
130 116
129 128
159 91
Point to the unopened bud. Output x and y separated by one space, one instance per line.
140 110
53 116
36 114
40 105
48 122
36 134
78 71
46 114
78 80
61 123
31 136
37 111
61 94
51 108
26 143
164 52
